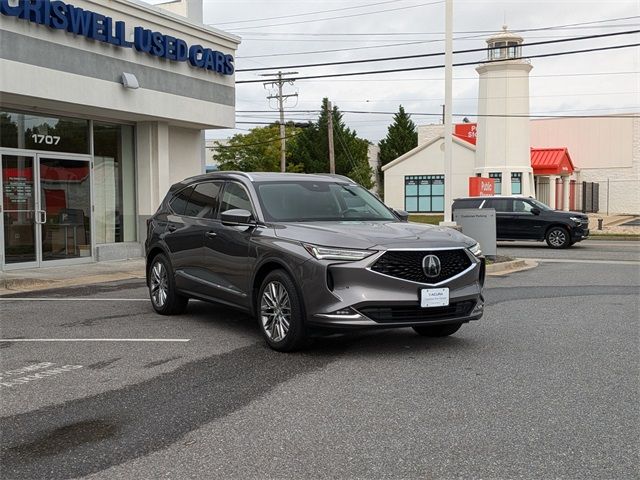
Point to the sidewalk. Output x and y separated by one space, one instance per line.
72 275
613 225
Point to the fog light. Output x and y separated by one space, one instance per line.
479 308
343 313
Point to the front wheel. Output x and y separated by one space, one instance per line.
162 289
437 330
558 237
280 312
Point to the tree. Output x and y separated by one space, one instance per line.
311 148
402 136
256 151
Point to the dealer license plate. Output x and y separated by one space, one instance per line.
434 297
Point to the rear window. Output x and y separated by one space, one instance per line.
179 202
467 203
499 204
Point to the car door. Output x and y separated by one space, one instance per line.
228 254
525 224
503 208
179 236
187 239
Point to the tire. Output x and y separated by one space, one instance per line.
280 312
162 288
438 330
558 237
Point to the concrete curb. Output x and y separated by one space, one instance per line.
625 238
505 268
14 285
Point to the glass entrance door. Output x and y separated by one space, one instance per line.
65 200
46 210
19 210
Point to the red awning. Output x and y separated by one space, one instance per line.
551 161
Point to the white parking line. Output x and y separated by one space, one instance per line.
182 340
71 299
570 260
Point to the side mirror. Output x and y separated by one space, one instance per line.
404 216
237 217
535 211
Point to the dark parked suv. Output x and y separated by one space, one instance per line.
524 218
305 252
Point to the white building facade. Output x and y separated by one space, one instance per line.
102 108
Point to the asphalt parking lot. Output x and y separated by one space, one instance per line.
546 385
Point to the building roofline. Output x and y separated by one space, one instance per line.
419 148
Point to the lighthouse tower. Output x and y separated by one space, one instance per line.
503 137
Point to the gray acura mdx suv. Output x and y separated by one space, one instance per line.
305 252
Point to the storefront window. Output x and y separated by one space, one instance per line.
114 182
36 132
424 193
497 182
516 183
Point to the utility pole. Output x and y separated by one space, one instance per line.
332 158
279 83
448 121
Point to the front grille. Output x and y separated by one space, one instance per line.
408 264
415 313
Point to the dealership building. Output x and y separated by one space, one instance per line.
103 105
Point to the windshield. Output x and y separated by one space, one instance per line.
310 201
539 204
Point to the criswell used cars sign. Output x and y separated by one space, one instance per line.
63 16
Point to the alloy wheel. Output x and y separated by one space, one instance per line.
557 238
275 311
159 284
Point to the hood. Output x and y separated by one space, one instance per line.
374 235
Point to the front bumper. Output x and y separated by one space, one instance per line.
579 233
352 295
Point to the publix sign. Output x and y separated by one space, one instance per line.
63 16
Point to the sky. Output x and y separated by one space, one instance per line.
280 33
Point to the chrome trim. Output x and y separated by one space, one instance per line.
475 261
335 316
211 284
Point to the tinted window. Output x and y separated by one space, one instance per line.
204 200
520 206
499 204
235 196
180 200
468 203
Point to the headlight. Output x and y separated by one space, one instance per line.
578 220
332 253
476 250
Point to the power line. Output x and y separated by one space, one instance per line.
305 14
460 64
433 41
427 55
339 17
220 147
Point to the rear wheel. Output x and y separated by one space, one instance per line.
558 237
280 312
437 330
162 289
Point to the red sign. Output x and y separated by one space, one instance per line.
466 131
481 187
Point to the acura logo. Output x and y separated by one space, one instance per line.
431 266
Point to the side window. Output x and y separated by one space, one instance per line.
204 200
520 206
500 204
235 196
179 202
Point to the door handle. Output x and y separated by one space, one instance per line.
41 217
211 234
